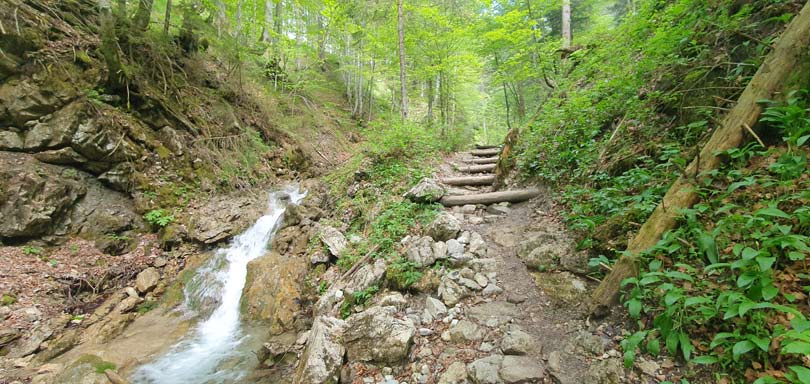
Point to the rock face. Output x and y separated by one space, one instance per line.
321 360
375 335
273 289
223 218
444 227
427 191
420 251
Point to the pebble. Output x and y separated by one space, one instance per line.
160 261
131 292
480 279
516 298
425 331
492 290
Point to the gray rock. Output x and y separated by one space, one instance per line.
147 279
574 261
456 373
469 284
477 245
118 177
427 191
517 342
128 304
485 370
521 369
440 250
468 209
31 342
159 262
172 140
451 293
24 100
444 227
546 255
62 156
480 279
495 312
492 290
532 240
455 249
323 356
608 371
434 307
516 298
56 131
7 335
319 257
465 331
464 238
333 239
648 367
498 210
375 335
10 141
420 251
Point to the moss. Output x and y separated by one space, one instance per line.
7 299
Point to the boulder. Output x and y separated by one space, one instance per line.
465 331
427 191
62 156
23 100
544 256
10 140
517 342
333 239
147 279
103 142
273 290
521 369
485 370
320 363
376 336
56 131
420 251
31 342
444 227
451 293
225 216
456 373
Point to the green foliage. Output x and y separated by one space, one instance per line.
146 306
103 366
32 250
7 299
158 218
359 298
401 274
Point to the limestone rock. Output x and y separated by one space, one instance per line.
30 343
23 100
10 141
323 356
375 335
451 293
333 239
427 191
147 279
521 369
420 251
440 250
57 131
485 370
608 371
465 331
434 307
273 290
517 342
444 227
224 217
456 373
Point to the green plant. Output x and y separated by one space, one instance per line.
146 306
158 218
32 250
355 299
401 274
103 366
7 299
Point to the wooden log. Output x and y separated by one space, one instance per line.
483 160
469 180
491 197
486 146
785 67
485 152
483 168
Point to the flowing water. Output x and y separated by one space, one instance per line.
215 351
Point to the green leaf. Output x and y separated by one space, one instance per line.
802 140
765 263
654 347
634 308
796 256
749 253
772 212
746 279
647 280
655 265
797 347
705 360
629 359
678 275
672 343
802 373
694 300
707 245
686 345
762 343
672 297
800 325
741 348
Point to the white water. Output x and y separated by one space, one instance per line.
215 342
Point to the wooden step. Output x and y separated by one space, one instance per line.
483 160
486 152
486 146
484 168
515 196
470 180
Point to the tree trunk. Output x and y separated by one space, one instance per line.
566 23
782 69
121 11
278 21
430 101
490 198
402 84
480 168
109 46
142 17
168 17
469 180
267 25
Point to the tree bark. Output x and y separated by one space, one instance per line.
267 25
481 168
566 23
168 17
141 22
785 67
469 180
490 198
116 77
402 83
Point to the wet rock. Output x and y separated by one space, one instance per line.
147 279
521 369
375 335
334 240
608 371
456 373
420 251
427 191
517 342
114 377
273 290
444 227
465 331
485 370
222 218
323 356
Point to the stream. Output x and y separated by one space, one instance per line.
218 349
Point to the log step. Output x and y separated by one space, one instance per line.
483 160
516 196
486 146
486 152
484 168
470 180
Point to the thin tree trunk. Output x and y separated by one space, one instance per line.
142 17
166 22
788 65
278 18
267 25
109 46
566 23
121 11
430 101
402 84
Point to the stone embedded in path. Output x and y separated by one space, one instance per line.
494 313
485 370
450 292
456 373
375 335
521 369
465 331
434 307
497 209
147 279
517 342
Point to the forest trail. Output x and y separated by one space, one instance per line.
531 325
